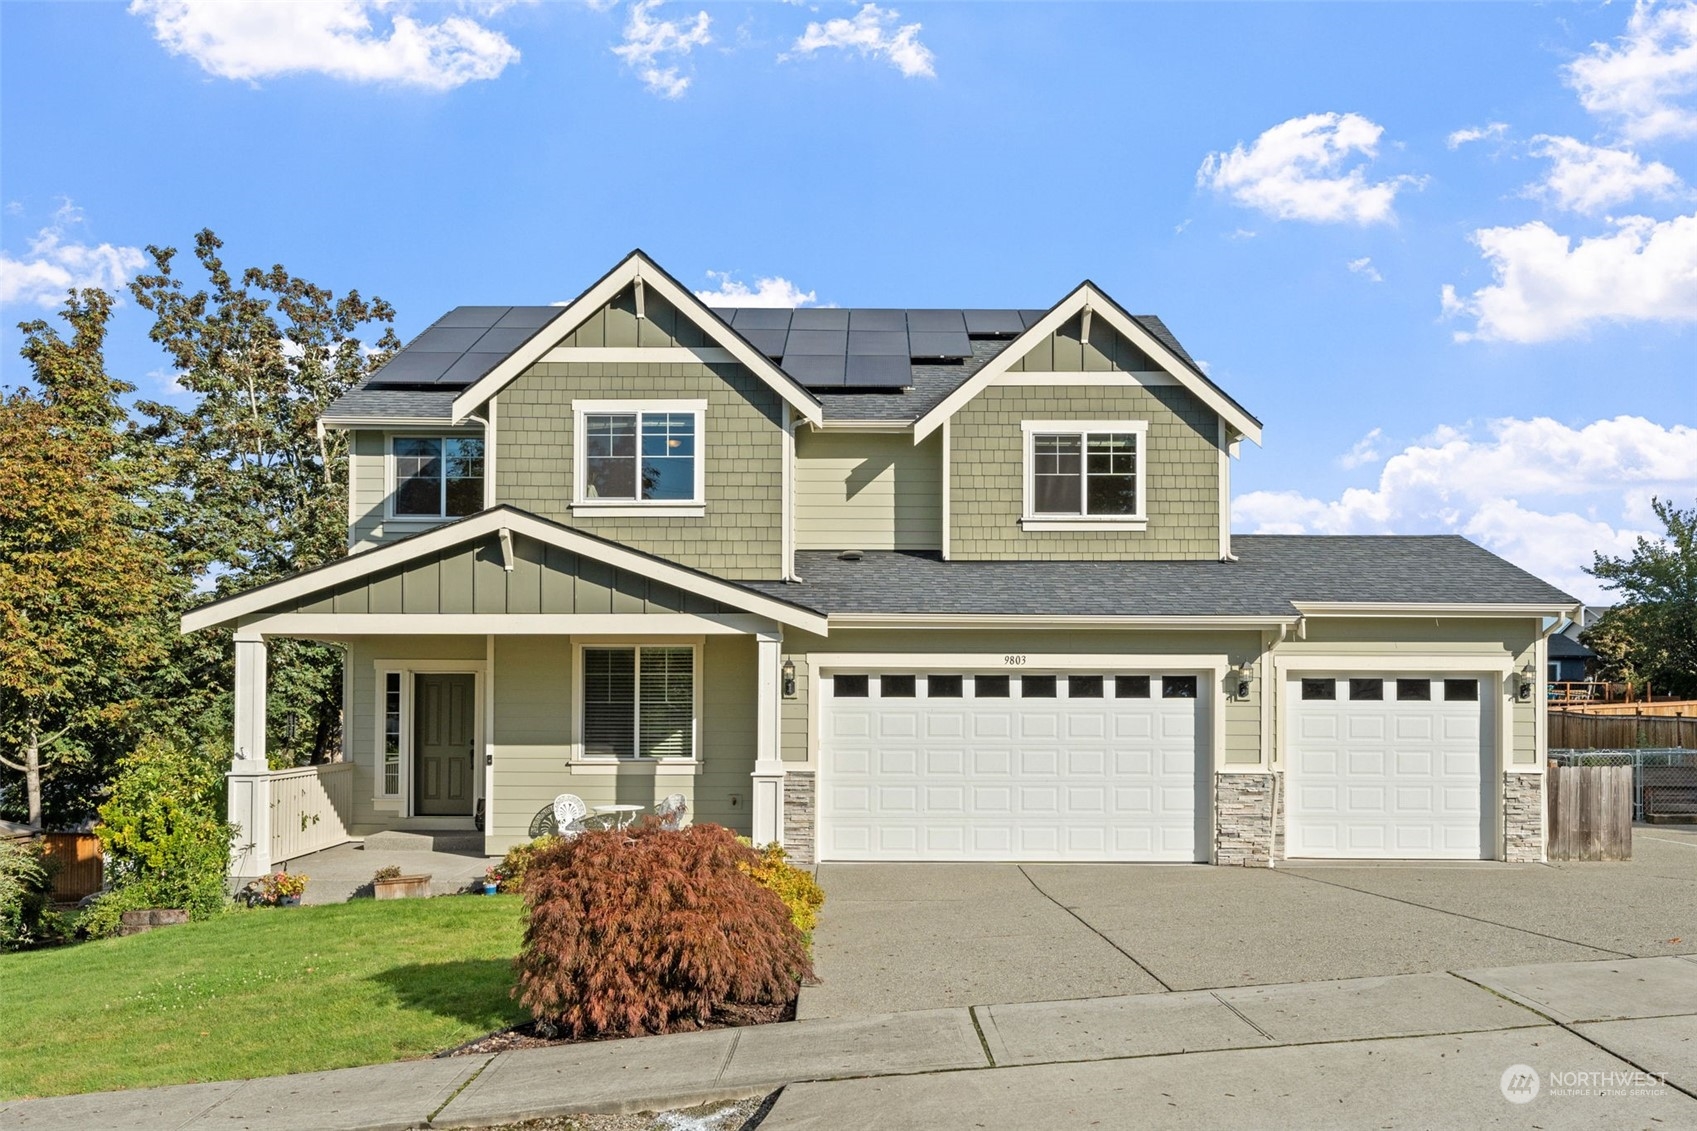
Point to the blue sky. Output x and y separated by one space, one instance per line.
1448 254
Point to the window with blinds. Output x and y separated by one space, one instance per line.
639 702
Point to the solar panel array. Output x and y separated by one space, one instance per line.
822 349
867 349
464 345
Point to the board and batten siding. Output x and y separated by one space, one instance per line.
1120 649
534 729
868 491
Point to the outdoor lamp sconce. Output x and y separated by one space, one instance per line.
789 678
1524 680
1239 681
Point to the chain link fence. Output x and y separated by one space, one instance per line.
1664 781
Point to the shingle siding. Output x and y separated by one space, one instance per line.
739 537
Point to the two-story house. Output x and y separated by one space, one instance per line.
884 585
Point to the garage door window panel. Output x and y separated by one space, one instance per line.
1178 687
1037 686
991 686
1461 690
1413 690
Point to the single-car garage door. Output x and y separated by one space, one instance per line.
1387 766
1065 766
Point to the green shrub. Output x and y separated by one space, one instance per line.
647 930
800 892
25 887
516 863
165 837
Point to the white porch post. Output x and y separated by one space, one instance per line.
768 758
250 776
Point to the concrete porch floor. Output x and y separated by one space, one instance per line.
336 875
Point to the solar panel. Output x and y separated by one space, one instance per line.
411 367
887 343
503 339
815 371
816 342
877 320
528 317
936 320
761 318
1030 317
768 342
879 372
994 322
470 367
447 339
813 319
473 316
928 344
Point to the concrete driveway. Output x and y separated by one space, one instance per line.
923 936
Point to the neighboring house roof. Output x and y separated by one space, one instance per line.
1564 647
1274 576
267 598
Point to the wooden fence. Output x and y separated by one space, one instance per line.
81 867
1570 730
309 808
1590 812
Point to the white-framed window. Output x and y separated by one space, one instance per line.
640 457
638 701
1085 474
390 736
435 476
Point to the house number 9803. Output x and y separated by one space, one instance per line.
1013 661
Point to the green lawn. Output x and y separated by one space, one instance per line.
259 992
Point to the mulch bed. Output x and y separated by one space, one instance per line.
527 1035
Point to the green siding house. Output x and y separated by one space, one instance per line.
880 585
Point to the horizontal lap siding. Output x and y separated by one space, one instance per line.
534 691
987 474
740 536
868 491
368 487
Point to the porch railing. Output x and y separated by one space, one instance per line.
307 809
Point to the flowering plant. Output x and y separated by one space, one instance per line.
494 875
283 885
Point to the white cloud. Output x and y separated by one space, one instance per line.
1365 450
874 34
651 47
1644 82
771 290
1364 267
1302 170
1546 288
259 39
1543 494
55 262
1590 178
1469 134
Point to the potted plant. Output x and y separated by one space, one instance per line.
493 878
284 889
388 883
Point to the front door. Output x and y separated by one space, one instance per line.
446 745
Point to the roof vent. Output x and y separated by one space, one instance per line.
851 556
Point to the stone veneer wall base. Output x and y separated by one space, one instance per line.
799 795
1248 809
1523 818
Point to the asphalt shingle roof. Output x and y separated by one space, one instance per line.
374 402
1271 573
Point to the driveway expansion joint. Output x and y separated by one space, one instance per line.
1243 1017
464 1084
730 1051
983 1042
1132 958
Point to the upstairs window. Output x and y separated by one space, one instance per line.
1084 472
437 476
640 456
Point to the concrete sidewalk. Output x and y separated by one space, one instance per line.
1430 1047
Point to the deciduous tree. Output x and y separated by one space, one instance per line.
1651 636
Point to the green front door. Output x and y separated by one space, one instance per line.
446 745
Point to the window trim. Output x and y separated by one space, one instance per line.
694 507
579 759
1031 520
409 670
392 483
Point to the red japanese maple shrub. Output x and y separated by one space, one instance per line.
648 930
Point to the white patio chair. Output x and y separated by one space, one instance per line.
569 815
671 812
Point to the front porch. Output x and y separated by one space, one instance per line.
501 661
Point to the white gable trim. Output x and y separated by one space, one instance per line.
377 560
1104 307
636 266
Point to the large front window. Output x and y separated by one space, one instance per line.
438 476
641 457
1084 471
639 702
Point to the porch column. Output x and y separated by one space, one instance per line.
768 758
250 776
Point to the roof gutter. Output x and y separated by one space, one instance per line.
1426 609
974 620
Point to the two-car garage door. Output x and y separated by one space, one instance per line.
1387 765
1034 766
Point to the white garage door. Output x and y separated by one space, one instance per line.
1387 766
1074 766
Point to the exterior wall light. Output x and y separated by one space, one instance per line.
1524 681
789 678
